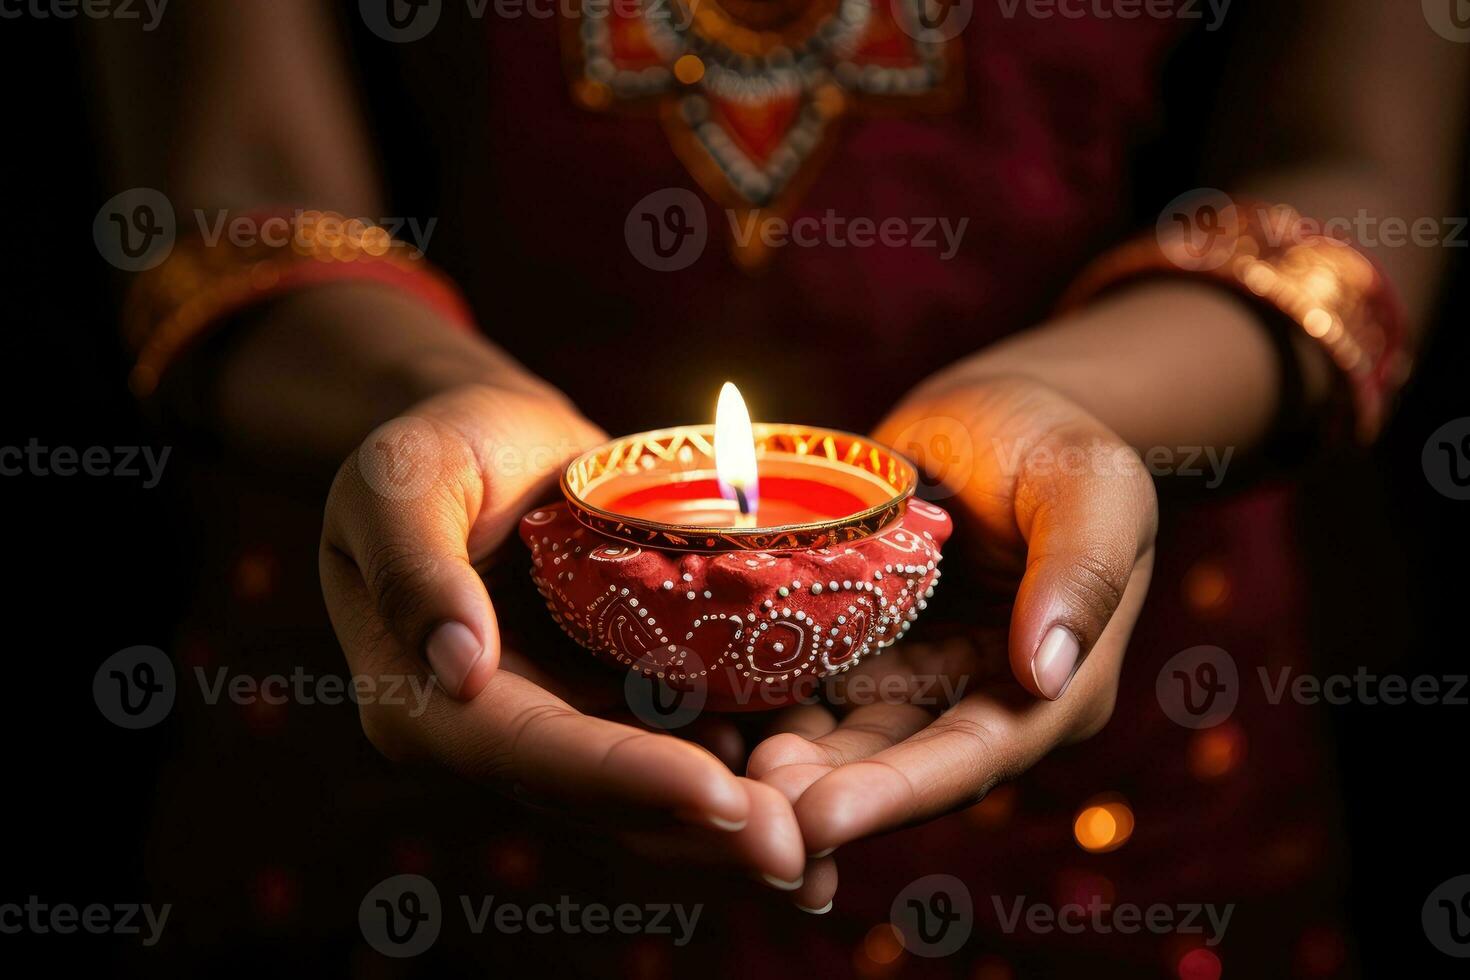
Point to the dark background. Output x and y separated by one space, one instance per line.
97 564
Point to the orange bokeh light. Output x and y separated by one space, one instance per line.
995 809
1105 824
689 69
1214 752
882 945
1206 587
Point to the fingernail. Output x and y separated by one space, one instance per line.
1055 662
452 651
710 820
821 911
822 854
720 823
785 886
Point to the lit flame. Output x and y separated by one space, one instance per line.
735 451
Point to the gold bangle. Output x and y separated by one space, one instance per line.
1272 255
173 305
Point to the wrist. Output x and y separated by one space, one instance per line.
315 371
1223 376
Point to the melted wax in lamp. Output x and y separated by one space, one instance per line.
738 496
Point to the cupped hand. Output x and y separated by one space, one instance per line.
1061 516
421 503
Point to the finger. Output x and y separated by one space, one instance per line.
768 846
518 734
818 887
685 849
959 758
1085 530
861 733
806 720
720 736
400 510
791 764
771 840
958 754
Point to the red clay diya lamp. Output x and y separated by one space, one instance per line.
747 560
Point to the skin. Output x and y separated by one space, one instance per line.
259 109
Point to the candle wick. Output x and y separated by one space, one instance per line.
741 500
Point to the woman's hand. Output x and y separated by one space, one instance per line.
412 512
1063 516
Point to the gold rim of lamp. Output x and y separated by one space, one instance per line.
869 469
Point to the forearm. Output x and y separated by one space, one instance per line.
1167 363
1353 112
231 107
1364 138
313 373
236 105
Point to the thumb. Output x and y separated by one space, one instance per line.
1085 529
400 511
